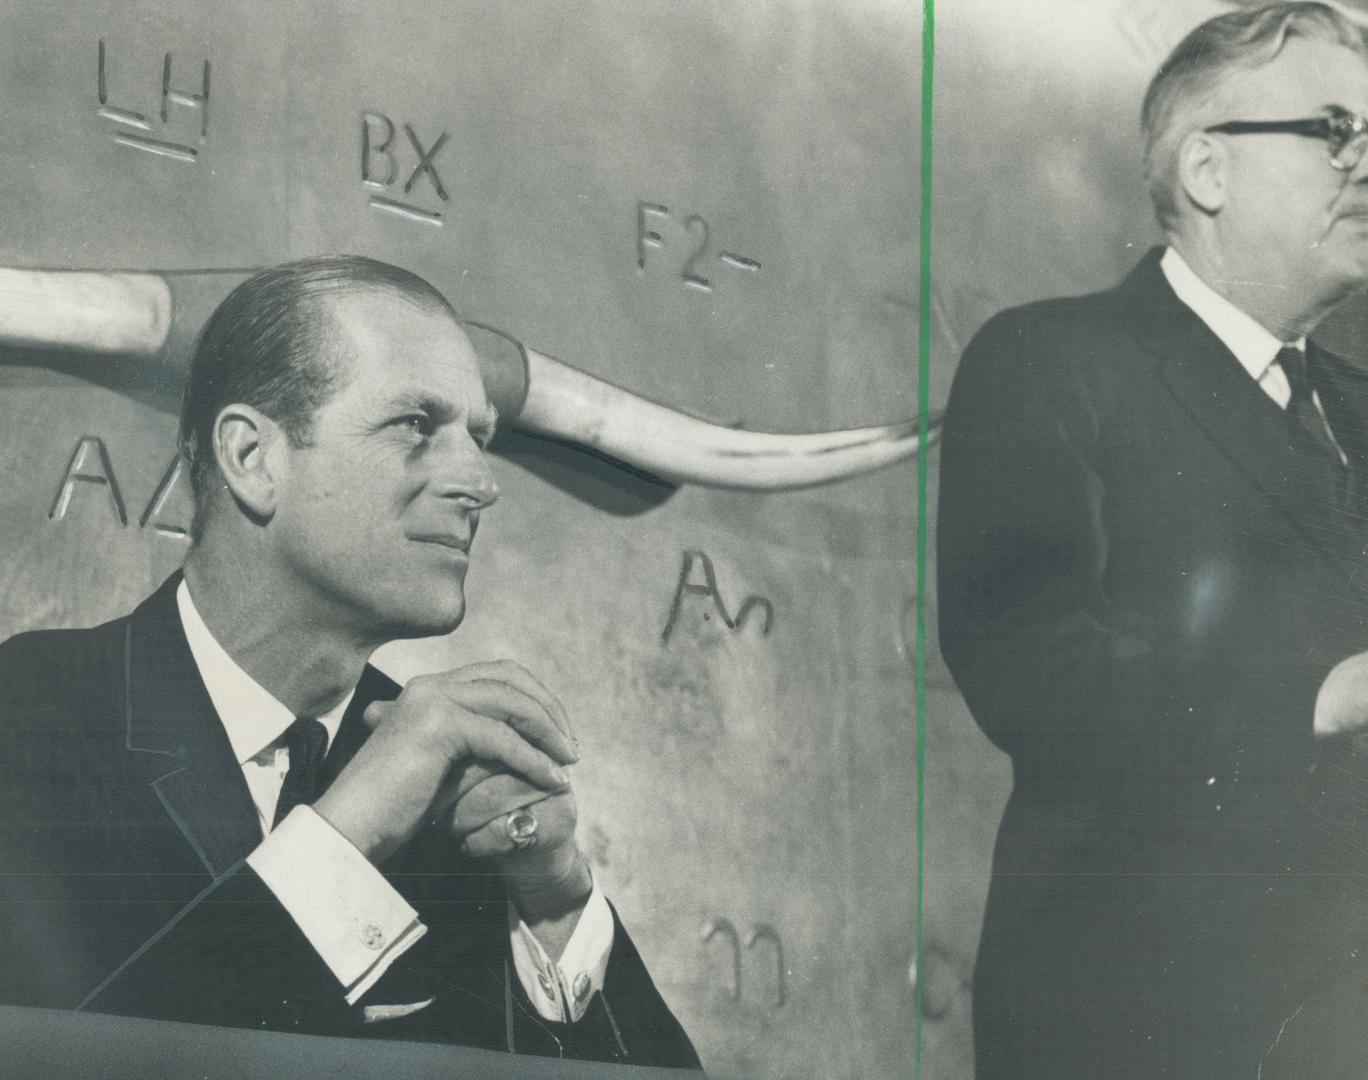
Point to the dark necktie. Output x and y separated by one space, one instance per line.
1301 406
307 741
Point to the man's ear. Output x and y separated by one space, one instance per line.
246 448
1204 170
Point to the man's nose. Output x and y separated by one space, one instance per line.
463 475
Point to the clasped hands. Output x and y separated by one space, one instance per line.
453 748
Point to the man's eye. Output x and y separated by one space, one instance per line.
418 424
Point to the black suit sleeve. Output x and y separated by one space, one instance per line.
1068 682
231 957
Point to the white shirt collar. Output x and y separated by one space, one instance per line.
252 717
1253 344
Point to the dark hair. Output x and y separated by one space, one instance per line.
1195 69
266 345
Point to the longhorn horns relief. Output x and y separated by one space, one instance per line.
153 318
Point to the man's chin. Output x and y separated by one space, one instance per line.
437 627
435 619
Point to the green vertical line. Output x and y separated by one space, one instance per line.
923 404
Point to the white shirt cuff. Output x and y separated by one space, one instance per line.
355 920
562 992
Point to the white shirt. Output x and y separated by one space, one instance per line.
1254 345
356 921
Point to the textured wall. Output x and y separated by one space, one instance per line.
761 777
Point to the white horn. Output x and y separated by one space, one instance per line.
134 313
84 311
573 405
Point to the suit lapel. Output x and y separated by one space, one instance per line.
1210 385
171 719
352 732
1344 396
170 715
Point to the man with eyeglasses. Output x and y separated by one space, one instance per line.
1154 593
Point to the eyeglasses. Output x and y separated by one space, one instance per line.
1345 133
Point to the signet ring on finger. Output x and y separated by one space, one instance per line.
522 828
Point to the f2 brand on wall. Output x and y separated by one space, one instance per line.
652 217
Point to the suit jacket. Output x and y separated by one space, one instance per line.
1142 583
124 824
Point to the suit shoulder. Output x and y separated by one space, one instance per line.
1059 321
35 646
47 667
1052 348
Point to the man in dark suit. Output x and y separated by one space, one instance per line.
1153 588
214 810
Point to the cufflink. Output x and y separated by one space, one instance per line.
372 937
